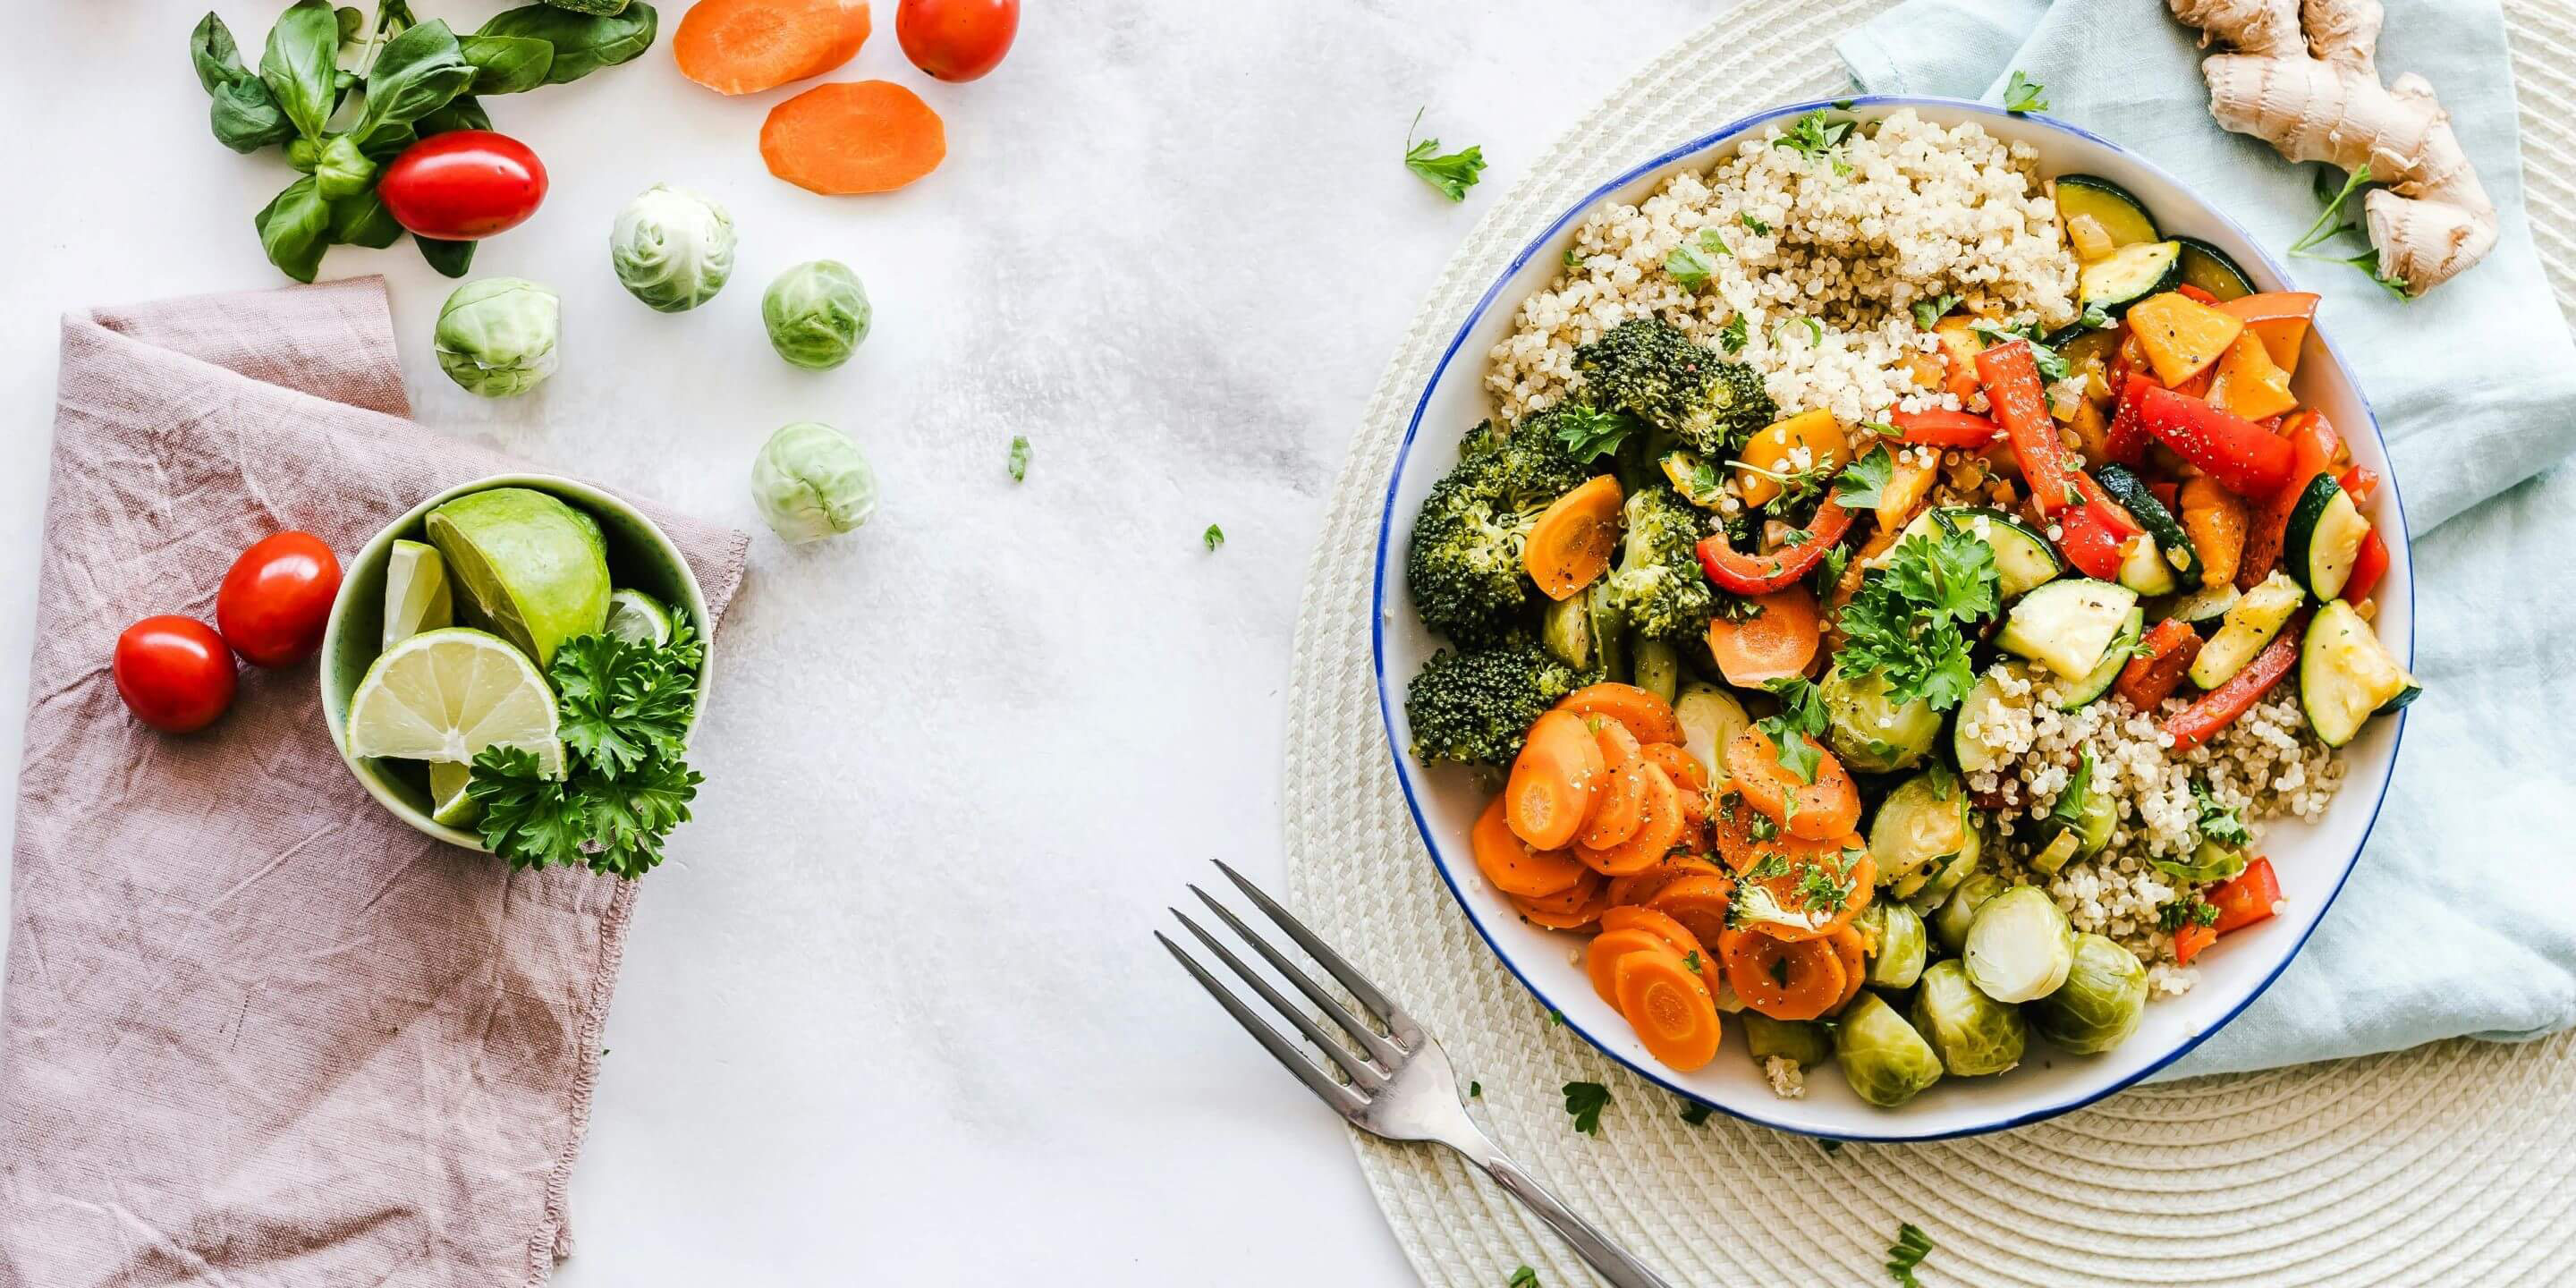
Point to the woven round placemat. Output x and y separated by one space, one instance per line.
2449 1164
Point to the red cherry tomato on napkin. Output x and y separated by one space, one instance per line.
956 40
277 598
174 673
463 185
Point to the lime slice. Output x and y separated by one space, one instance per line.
634 615
449 805
417 597
444 695
530 567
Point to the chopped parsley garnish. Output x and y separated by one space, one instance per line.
2096 318
1695 1113
1732 334
1860 486
1522 1278
1795 487
1928 313
1815 329
1829 570
1214 537
1452 175
1753 225
1691 265
1692 961
1800 721
1816 138
1555 1016
1589 434
2219 823
2022 94
2073 799
1764 829
1019 458
2186 911
1819 891
1907 622
1586 1100
2051 363
1911 1246
1573 258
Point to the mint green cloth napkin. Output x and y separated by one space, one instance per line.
2461 918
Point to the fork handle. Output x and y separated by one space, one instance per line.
1606 1258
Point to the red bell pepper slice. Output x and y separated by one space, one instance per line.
2247 899
2362 482
2368 566
2218 708
2189 940
2189 291
2013 389
2126 440
1761 574
2151 677
1940 428
2237 452
2095 533
2313 447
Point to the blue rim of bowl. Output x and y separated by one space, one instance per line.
1386 529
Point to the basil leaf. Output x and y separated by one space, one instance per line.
245 118
604 7
361 219
303 53
583 42
388 141
303 154
216 57
295 228
416 73
507 64
343 171
462 114
451 258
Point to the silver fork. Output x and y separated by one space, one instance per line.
1401 1088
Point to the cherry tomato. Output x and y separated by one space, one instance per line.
277 598
463 185
174 673
956 40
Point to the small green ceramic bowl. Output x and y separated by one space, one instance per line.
639 556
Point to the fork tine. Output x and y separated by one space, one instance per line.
1406 1032
1343 1099
1385 1052
1361 1073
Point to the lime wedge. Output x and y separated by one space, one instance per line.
531 568
417 597
634 615
449 805
444 695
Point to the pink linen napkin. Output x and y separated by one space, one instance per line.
255 1030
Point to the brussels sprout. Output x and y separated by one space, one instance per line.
1973 1033
1959 911
1923 822
810 481
1942 881
1883 1058
2101 1002
672 248
1710 718
1658 667
497 337
1902 944
2210 861
1870 733
2020 946
816 313
1804 1041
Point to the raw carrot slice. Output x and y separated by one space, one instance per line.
1554 781
1513 866
1640 887
1671 1009
1647 716
1570 544
1785 981
1698 903
1601 957
1621 803
746 46
1853 954
1779 639
1657 924
1659 831
862 136
1826 808
1579 906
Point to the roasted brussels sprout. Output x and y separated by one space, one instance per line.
2101 1002
1974 1034
1920 826
1870 733
810 481
1882 1057
1804 1041
497 337
1902 943
2019 947
672 248
817 313
1959 911
1710 718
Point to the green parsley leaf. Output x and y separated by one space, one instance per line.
2218 823
2051 363
1830 1145
2069 808
1801 720
1573 258
2096 318
1452 175
1522 1278
1213 537
2330 219
1907 621
1911 1246
1475 1090
1860 486
1711 240
1692 961
1829 570
1820 891
1815 329
1555 1016
1586 1100
1928 313
2186 911
1695 1113
1688 267
1817 138
1764 829
1732 334
2021 94
1019 458
1589 434
1753 225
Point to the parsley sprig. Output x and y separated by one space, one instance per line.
2218 822
1907 622
1911 1246
1585 1101
1690 265
2022 94
1799 722
1589 434
622 711
1452 174
2331 223
1818 138
2076 797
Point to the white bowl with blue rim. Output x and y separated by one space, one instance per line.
2312 859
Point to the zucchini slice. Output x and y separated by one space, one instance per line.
2131 492
2324 538
2145 571
2209 268
2207 604
2023 558
2258 615
2115 208
2068 625
2114 660
2128 275
2346 676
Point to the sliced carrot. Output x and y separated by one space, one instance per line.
746 46
1687 774
1640 887
1698 903
860 136
1659 831
1779 639
1513 866
1578 906
1785 981
1857 882
1854 957
1621 803
1647 716
1826 808
1672 1009
1601 957
1571 542
1661 926
1554 781
1745 843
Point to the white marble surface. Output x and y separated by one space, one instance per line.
893 1006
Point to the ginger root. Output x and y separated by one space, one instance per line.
2300 77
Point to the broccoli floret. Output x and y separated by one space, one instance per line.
1649 369
1464 564
1476 707
1658 584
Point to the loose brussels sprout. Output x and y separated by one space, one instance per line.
1973 1033
810 481
1870 733
816 314
1804 1041
2020 946
2101 1002
1922 823
1902 943
1883 1058
497 337
672 248
1959 911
